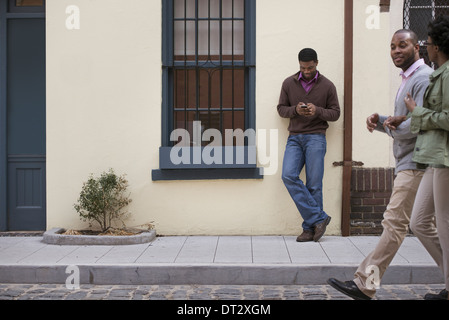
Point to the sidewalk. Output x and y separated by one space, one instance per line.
210 260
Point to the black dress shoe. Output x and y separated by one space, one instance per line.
349 288
440 296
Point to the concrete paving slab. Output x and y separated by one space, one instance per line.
123 254
162 250
234 249
22 249
414 252
48 255
85 255
367 244
341 250
198 249
305 252
271 249
6 242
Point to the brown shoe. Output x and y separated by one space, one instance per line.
307 235
320 229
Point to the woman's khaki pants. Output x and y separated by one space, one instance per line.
432 205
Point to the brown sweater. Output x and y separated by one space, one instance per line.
323 95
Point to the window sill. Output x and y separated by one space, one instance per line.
207 174
195 163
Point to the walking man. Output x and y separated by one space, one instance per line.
415 79
309 100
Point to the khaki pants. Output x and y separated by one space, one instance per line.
395 224
432 202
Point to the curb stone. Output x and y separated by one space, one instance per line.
55 237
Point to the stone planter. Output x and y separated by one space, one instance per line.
55 236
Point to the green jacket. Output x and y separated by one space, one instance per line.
431 122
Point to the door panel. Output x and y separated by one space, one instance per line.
26 124
26 86
26 205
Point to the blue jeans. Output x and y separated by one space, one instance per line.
306 150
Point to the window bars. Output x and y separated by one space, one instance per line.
418 14
209 70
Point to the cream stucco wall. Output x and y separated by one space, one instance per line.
103 101
375 80
104 110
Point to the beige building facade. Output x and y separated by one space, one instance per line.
106 91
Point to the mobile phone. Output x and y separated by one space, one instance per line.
304 106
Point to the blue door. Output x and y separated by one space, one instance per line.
23 115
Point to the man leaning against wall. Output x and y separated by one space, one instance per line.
309 100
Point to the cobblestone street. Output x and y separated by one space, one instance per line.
203 292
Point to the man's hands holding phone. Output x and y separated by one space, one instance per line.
306 110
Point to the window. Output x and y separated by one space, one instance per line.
418 14
209 65
208 77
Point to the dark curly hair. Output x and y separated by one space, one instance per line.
439 32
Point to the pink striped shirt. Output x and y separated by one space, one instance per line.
408 73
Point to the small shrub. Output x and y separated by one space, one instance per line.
103 199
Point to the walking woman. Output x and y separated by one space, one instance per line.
431 122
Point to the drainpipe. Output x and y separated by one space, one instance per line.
347 162
348 91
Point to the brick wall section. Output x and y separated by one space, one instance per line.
370 193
